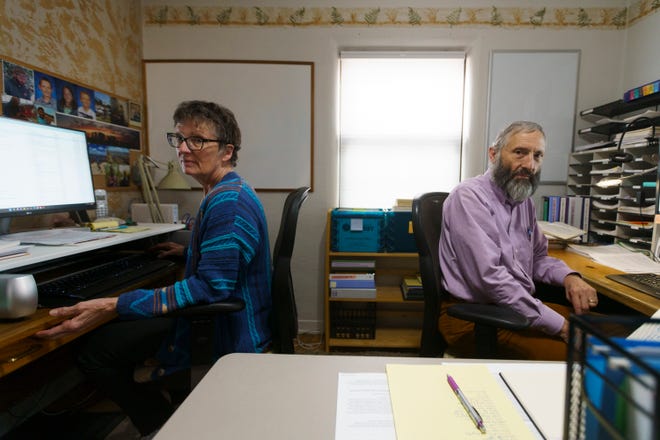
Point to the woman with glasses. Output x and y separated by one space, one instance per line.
228 257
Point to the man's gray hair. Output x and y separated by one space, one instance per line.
514 128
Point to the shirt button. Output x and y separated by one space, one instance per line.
170 348
160 372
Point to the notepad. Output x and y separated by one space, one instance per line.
425 407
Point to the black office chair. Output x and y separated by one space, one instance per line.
487 318
284 319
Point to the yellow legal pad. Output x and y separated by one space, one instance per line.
425 407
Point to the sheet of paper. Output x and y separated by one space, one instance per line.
542 393
649 331
363 407
425 407
618 257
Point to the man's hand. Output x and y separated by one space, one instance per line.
580 294
84 315
563 333
168 249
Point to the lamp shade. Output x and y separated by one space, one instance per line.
174 179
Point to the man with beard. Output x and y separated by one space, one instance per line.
492 251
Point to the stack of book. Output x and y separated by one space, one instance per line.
412 289
353 285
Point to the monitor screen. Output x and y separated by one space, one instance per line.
43 169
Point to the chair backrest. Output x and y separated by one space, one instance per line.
284 320
427 225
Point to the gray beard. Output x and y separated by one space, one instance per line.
517 189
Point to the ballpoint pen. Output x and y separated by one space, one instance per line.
471 410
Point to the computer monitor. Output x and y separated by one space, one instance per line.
43 169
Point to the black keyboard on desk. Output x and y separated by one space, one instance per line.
100 279
648 283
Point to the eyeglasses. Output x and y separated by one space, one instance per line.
193 142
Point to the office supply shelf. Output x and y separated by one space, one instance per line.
612 382
397 321
620 107
586 168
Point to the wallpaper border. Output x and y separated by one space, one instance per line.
500 17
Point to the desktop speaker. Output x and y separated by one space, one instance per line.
18 296
140 212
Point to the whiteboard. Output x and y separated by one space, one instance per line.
538 86
272 102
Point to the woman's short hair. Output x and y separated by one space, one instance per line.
220 118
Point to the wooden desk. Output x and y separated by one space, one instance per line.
18 346
594 274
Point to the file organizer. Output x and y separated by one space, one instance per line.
356 230
612 382
398 232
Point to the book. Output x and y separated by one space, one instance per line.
412 289
352 276
352 284
560 230
353 264
366 293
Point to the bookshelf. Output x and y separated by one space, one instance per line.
395 323
624 212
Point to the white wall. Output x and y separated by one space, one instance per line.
601 79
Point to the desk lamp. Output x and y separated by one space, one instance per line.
620 156
174 178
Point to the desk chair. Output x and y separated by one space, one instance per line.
487 318
284 320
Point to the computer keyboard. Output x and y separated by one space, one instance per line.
644 282
100 279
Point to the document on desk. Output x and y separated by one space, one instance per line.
363 407
617 257
425 407
541 391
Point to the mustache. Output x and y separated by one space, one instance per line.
524 172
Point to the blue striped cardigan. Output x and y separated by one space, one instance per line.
229 256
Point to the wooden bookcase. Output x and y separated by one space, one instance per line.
615 210
398 322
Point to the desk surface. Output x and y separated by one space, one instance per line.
272 396
594 274
40 254
18 346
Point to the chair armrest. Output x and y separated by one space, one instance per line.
227 306
489 314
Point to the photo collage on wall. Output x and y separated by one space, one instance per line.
111 124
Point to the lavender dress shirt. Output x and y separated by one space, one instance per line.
492 251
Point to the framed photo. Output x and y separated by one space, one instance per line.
135 114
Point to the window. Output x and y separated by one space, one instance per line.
400 125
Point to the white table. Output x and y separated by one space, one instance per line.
40 254
273 396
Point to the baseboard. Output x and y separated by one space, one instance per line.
310 326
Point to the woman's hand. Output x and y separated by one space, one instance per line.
82 316
168 249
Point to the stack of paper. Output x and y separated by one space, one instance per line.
12 248
560 230
617 257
